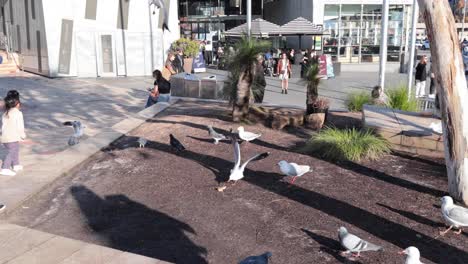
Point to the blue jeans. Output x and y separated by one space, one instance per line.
164 98
161 98
12 157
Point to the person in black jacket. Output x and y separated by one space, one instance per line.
179 61
421 76
161 91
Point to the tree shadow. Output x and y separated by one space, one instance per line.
131 226
330 246
412 216
419 159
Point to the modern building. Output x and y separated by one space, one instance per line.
206 19
88 38
353 26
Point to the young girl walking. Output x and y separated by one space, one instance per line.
12 134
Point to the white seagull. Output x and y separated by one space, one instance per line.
78 131
354 244
160 5
142 142
454 215
412 255
215 135
247 136
237 172
292 169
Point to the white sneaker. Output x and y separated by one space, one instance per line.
17 168
7 172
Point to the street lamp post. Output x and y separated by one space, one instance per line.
463 22
383 44
249 17
412 45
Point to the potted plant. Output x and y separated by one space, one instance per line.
317 109
190 48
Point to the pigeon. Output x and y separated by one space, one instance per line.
247 136
176 144
412 255
454 215
354 244
160 5
215 135
262 259
237 172
142 142
77 131
292 169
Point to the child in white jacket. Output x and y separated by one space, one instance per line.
12 134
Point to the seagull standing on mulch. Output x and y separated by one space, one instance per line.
454 215
354 244
247 136
160 5
175 144
292 169
237 172
142 142
262 259
78 130
215 135
412 255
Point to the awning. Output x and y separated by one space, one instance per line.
260 28
298 26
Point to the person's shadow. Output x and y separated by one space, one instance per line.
131 226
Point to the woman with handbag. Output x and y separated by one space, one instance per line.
284 70
169 68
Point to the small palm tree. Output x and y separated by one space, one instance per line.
313 80
244 63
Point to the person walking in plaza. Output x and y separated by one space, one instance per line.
284 70
421 76
12 134
161 91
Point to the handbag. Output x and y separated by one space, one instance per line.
166 73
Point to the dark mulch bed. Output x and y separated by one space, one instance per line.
154 202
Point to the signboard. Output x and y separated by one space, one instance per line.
323 65
318 43
199 64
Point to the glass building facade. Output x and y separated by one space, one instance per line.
205 19
355 31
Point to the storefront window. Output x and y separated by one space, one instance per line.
331 25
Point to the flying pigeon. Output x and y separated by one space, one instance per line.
292 169
160 5
412 255
176 144
454 215
354 244
142 142
262 259
237 172
215 135
247 136
77 131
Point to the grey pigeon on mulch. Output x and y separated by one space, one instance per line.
354 244
292 169
142 142
237 172
175 144
455 216
78 130
215 135
262 259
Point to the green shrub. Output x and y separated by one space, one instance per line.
350 144
357 99
190 47
398 99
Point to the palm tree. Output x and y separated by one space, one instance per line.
243 62
313 80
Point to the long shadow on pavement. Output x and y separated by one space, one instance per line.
131 226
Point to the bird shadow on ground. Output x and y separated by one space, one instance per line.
413 216
378 226
330 246
133 227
